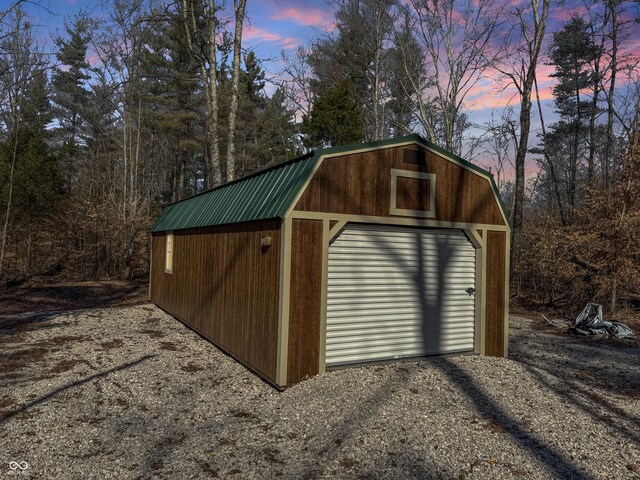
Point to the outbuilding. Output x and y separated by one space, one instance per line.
371 252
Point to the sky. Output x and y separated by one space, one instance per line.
273 26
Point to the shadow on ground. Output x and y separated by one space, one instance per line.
28 301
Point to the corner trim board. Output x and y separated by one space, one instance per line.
505 353
326 238
284 299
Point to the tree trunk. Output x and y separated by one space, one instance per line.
377 70
592 132
239 7
614 295
525 113
10 195
612 86
549 162
573 172
208 65
523 142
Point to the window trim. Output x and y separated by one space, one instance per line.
393 210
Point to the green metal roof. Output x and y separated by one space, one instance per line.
261 195
269 193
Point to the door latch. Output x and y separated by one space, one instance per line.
470 290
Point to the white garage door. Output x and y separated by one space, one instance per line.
399 292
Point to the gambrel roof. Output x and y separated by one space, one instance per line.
271 192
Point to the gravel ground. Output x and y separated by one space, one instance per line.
132 393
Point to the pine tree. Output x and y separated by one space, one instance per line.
38 183
358 54
335 118
174 112
70 96
265 131
572 53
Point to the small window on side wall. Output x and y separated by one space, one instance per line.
168 257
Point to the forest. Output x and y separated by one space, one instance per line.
158 100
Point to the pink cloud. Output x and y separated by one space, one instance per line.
565 14
305 16
489 93
94 59
251 32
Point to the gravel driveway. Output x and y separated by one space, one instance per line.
132 393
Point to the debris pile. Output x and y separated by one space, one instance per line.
591 322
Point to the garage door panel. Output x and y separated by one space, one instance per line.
364 310
396 237
345 289
374 257
400 325
390 332
373 353
460 277
374 308
395 295
391 344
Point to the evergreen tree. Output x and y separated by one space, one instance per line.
266 133
357 53
37 181
174 107
572 52
335 118
277 131
71 98
571 55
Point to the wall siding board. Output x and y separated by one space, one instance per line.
305 300
495 300
225 286
359 184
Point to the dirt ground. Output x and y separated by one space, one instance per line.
38 297
130 392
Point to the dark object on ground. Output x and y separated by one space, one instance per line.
591 322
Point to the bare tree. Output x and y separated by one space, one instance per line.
19 60
239 9
597 24
381 18
548 160
519 67
456 37
294 80
201 27
500 142
9 9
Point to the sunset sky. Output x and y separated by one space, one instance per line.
276 25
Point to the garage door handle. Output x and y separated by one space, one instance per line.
470 290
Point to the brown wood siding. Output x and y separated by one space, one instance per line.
360 184
495 286
225 286
413 193
305 300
